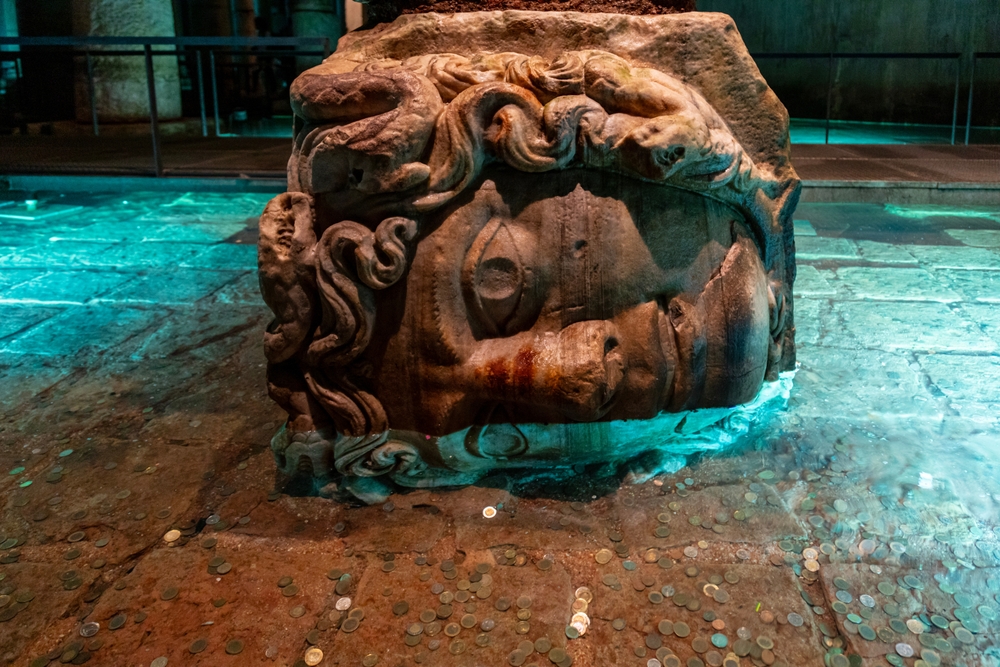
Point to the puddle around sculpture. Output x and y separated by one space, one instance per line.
133 403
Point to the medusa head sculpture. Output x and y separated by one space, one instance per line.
499 259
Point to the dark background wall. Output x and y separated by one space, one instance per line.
902 91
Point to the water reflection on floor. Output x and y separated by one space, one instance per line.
860 526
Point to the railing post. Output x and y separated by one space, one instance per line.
954 110
154 120
90 91
968 111
215 91
201 93
829 97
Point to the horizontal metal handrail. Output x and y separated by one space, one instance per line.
16 55
835 54
832 56
90 40
91 46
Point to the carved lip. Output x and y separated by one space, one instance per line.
668 348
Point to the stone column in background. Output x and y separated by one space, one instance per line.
316 18
120 81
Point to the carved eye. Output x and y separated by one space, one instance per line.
497 279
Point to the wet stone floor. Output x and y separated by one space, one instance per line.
144 522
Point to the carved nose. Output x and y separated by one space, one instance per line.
591 366
576 371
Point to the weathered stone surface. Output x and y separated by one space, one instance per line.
437 298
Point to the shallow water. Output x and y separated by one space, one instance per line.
129 335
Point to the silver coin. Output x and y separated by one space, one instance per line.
213 519
89 629
159 662
904 650
867 600
795 620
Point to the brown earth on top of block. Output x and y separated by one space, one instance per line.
380 11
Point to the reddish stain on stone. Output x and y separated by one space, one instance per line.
524 368
496 375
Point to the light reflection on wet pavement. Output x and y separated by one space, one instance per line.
859 527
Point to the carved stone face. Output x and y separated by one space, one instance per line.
572 296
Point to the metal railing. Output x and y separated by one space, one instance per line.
184 47
972 83
196 47
833 57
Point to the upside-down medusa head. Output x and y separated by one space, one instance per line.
507 239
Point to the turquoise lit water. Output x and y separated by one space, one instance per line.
810 131
130 326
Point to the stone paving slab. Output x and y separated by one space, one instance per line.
809 281
981 286
178 288
225 256
884 253
61 255
971 383
987 317
807 316
243 291
860 383
918 326
978 238
95 328
19 317
955 257
815 248
897 284
65 287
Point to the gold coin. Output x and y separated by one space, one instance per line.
172 535
313 656
603 556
